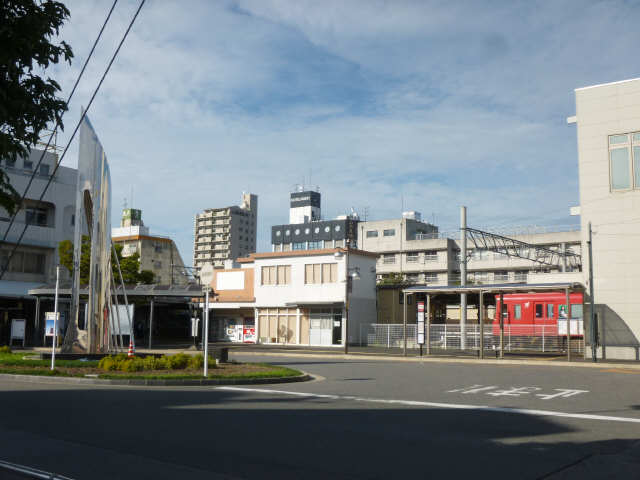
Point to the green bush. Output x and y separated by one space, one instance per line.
179 361
196 362
5 349
132 365
149 362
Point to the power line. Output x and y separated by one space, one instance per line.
84 113
24 194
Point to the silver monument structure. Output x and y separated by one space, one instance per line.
90 333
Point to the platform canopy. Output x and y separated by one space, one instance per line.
131 290
495 288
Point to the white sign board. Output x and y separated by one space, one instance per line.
49 320
230 281
124 320
206 274
17 329
420 339
577 327
195 322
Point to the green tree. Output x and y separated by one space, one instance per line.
130 266
28 102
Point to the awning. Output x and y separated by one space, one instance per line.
17 289
496 288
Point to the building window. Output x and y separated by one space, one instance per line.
372 233
299 246
388 258
501 276
276 275
550 310
520 276
339 243
44 169
11 162
24 262
624 161
315 245
389 233
28 165
431 277
321 273
413 257
36 216
431 256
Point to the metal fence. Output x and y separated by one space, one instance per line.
516 338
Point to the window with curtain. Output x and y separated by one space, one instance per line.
320 273
624 161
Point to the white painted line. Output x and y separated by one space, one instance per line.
458 406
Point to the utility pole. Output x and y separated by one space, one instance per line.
593 306
463 277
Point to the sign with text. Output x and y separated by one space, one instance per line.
420 339
49 319
17 329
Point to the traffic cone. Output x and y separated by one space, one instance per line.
132 349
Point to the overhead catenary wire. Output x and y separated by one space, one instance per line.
84 113
55 129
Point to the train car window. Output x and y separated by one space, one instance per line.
517 311
549 310
576 310
539 310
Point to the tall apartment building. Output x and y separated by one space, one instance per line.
307 231
50 221
226 233
422 255
158 254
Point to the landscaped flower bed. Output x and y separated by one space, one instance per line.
178 366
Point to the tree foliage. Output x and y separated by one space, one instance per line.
392 279
130 266
28 101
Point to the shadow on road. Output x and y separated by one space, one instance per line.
107 433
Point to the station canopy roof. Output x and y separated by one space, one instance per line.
495 288
191 290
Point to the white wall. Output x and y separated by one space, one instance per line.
602 111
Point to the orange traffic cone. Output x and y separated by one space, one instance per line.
132 349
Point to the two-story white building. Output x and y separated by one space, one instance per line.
305 297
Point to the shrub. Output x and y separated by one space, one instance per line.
196 362
161 363
5 349
132 365
150 362
107 363
179 361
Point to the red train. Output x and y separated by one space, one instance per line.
538 314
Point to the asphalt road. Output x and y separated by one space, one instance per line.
360 419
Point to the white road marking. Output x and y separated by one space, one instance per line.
514 391
472 389
458 406
563 393
518 391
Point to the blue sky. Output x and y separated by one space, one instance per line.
430 105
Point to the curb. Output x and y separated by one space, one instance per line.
475 361
155 382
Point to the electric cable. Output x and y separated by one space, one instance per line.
35 170
84 113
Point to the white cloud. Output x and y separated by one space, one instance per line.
429 102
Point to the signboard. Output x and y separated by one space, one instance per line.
420 339
249 335
17 329
195 322
124 320
229 281
577 327
206 274
49 318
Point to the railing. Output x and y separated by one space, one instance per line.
516 338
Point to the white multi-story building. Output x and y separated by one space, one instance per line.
608 130
298 297
50 221
421 255
226 233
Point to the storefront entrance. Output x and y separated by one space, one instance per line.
325 326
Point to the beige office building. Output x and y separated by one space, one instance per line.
608 130
226 233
